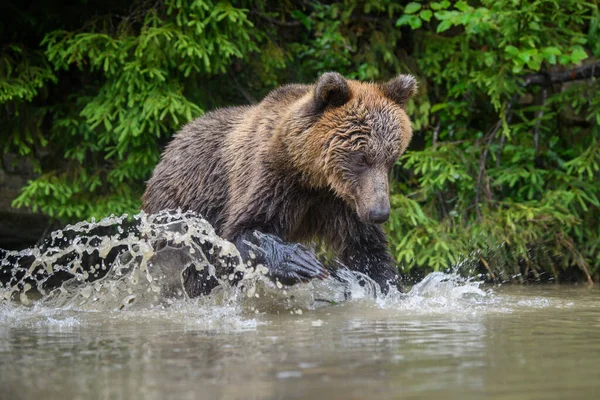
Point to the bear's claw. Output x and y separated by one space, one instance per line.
288 263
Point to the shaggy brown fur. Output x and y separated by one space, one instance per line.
308 162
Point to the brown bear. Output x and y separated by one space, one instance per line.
309 162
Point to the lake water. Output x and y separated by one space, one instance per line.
133 334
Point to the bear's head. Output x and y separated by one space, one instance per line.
357 132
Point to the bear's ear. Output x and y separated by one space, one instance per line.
400 89
331 89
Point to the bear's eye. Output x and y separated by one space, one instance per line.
359 160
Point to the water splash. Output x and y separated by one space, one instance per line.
117 262
143 262
442 293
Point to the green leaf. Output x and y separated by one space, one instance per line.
412 8
551 50
535 63
404 20
578 55
524 56
564 59
439 106
512 50
550 53
444 26
415 22
412 20
426 15
443 15
462 5
300 16
534 26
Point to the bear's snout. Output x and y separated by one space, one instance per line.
379 215
373 197
375 212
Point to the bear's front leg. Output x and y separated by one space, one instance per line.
288 263
365 250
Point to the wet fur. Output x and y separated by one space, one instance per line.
288 166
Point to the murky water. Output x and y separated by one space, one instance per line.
513 343
448 338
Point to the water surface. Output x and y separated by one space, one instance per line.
122 327
446 340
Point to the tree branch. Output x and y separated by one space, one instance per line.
579 259
551 78
242 90
487 266
487 141
276 21
538 122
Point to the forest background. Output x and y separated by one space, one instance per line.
503 172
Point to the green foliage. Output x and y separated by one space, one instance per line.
532 156
23 75
502 171
141 78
